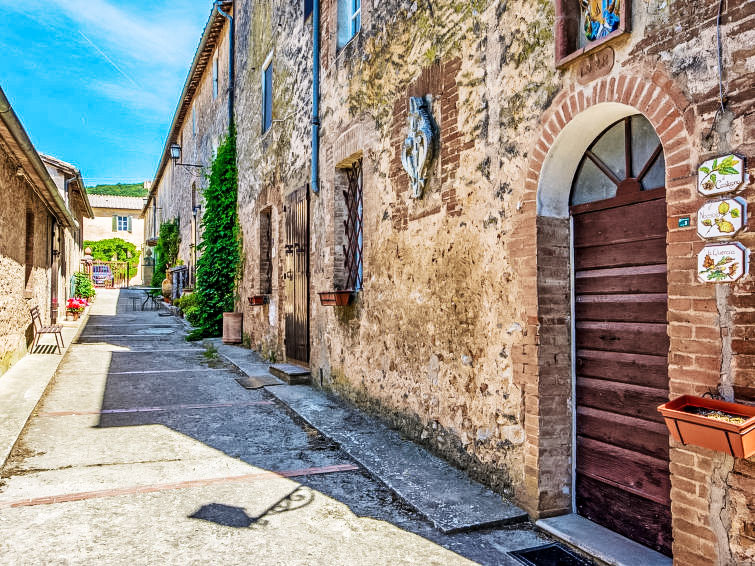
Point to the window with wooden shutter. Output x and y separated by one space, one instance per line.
130 224
115 223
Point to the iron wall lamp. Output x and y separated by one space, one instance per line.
175 155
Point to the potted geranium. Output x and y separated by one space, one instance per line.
75 306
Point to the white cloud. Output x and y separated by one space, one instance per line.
146 43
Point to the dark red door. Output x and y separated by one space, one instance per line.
297 276
622 469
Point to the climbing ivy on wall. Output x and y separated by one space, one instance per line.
220 250
166 251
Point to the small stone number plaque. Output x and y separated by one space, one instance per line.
722 263
721 219
724 174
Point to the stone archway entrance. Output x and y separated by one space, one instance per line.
618 213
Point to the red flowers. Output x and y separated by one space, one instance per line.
76 305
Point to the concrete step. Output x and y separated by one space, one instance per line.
291 374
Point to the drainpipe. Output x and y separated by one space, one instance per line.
314 181
231 54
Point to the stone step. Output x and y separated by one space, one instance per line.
290 373
446 496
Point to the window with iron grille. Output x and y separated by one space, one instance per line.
266 247
350 276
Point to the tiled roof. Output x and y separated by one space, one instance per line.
108 201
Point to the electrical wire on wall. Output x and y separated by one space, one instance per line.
722 97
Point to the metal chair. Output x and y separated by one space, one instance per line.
39 329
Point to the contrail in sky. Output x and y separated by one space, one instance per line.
109 60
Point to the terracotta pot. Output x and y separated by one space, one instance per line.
689 428
257 300
232 324
335 298
167 288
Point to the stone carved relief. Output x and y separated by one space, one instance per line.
418 150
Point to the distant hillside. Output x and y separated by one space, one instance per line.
119 190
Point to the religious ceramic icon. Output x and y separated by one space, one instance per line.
722 263
600 17
417 153
721 218
724 174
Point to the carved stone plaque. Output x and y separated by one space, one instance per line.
721 219
724 174
595 65
722 263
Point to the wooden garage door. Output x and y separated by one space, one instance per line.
619 218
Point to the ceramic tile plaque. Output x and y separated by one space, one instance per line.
722 263
724 174
721 219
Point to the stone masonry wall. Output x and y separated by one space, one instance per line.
276 163
199 138
16 296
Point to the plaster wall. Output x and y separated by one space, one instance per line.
101 228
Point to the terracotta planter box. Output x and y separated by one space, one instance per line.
335 298
232 322
258 300
737 439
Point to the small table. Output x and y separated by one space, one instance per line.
150 294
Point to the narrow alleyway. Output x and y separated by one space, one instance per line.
145 450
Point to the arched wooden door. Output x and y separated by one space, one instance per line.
618 207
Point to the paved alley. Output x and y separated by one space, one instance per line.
145 450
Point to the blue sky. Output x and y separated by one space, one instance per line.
96 82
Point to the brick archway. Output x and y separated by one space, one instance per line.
541 253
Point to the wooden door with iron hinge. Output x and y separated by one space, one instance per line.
296 276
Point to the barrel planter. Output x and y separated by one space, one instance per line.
710 423
232 323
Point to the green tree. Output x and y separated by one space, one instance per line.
166 250
220 260
105 250
120 190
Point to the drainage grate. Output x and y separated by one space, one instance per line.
549 555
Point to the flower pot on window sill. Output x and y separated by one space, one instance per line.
687 422
335 298
258 300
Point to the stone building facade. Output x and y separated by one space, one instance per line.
117 217
40 235
525 315
199 125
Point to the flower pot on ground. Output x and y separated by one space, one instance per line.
257 300
717 425
335 298
232 324
74 307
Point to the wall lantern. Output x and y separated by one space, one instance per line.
175 155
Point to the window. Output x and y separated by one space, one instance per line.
267 94
121 224
215 77
349 20
266 256
29 246
307 8
628 153
347 274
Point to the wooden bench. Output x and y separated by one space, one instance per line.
39 329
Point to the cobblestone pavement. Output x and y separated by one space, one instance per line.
145 450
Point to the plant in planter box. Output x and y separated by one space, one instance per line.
710 423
